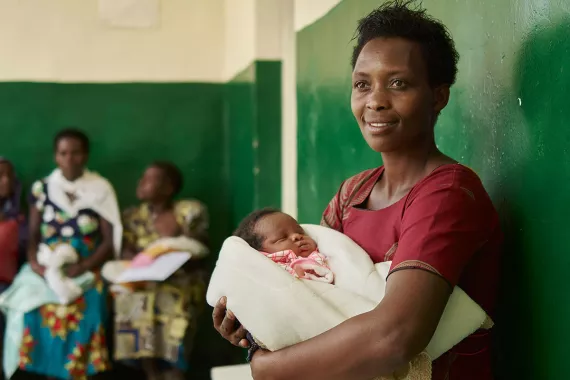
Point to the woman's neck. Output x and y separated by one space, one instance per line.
72 177
160 206
403 169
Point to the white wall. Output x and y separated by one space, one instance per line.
309 11
289 112
253 32
298 15
65 40
240 30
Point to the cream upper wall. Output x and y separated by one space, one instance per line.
64 40
253 30
195 41
309 11
240 32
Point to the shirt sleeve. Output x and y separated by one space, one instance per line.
193 216
332 216
38 196
442 229
129 235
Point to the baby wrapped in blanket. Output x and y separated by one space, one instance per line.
266 299
280 238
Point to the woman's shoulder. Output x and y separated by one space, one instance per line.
136 212
452 180
352 191
358 182
38 191
189 207
451 176
38 186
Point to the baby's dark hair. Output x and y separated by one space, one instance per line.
406 19
246 229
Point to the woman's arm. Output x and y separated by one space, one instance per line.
129 250
448 220
34 240
369 345
101 254
197 221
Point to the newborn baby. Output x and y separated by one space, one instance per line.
280 238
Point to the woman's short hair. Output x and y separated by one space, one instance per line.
72 133
246 228
406 19
172 174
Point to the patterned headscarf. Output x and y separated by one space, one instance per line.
11 208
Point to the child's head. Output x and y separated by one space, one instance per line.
270 230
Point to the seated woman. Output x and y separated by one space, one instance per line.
427 214
76 207
12 223
154 326
12 231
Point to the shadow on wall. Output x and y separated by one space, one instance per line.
533 331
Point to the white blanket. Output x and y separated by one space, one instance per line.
266 299
54 260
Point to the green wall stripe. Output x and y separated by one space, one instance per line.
253 104
206 129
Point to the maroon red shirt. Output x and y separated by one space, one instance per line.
446 225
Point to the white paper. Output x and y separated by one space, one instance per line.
130 13
159 270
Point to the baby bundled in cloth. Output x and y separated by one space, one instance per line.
358 286
280 238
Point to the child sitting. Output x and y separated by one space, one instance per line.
280 238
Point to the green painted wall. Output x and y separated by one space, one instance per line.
253 122
217 133
252 131
507 119
129 125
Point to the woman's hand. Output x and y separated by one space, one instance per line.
75 270
36 267
226 324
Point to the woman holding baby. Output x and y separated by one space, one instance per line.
155 324
76 209
427 214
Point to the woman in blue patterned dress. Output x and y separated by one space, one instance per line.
76 207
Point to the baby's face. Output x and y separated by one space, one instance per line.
281 232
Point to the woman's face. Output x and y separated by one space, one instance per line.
6 180
152 185
71 157
392 100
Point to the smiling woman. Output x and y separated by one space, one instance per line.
421 210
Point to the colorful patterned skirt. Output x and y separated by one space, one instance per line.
68 342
